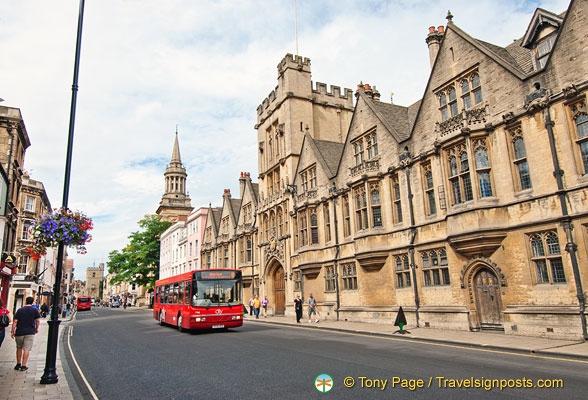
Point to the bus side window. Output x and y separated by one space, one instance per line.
167 294
181 294
176 292
187 294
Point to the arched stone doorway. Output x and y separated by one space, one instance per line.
276 276
484 280
279 291
488 300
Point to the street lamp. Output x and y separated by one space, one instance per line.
50 373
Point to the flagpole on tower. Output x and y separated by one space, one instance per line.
296 27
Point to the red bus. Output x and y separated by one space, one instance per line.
84 303
202 299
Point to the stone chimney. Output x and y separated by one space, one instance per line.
368 90
434 41
242 181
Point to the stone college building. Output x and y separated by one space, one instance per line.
468 208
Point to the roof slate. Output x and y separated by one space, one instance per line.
331 153
236 206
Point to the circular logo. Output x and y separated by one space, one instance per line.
219 311
323 383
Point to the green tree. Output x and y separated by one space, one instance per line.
138 262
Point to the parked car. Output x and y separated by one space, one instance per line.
93 303
115 303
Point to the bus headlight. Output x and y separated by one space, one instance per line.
197 319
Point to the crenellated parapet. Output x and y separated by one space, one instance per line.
295 62
321 94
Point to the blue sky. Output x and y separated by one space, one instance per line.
204 65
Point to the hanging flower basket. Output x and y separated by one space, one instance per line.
72 228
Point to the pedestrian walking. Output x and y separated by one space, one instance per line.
44 310
298 308
67 309
256 306
251 305
4 321
264 304
312 309
25 326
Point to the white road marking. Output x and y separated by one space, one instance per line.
80 370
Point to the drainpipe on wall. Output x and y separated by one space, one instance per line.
405 160
334 191
571 246
8 189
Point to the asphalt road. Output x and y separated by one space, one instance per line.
124 354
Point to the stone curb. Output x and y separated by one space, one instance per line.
542 353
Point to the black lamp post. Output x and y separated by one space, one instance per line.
50 374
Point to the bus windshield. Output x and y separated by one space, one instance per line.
83 300
216 292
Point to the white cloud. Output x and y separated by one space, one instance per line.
149 65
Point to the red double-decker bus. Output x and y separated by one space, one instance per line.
202 299
84 303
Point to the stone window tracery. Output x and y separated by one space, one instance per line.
403 271
349 276
376 208
483 168
459 174
546 256
396 199
520 159
361 217
580 117
365 147
327 216
435 267
429 189
329 279
313 228
346 215
471 95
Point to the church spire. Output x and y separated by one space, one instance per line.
176 152
175 201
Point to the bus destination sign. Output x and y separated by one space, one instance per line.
218 274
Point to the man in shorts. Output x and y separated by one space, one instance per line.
25 326
312 309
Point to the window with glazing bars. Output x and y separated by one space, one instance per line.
483 168
435 267
430 205
546 255
349 276
403 271
376 208
329 279
520 160
313 228
361 209
580 116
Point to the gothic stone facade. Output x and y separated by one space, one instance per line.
468 208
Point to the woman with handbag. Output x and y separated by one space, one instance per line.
4 321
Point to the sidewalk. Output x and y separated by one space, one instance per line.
26 384
494 341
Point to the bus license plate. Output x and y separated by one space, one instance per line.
217 326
